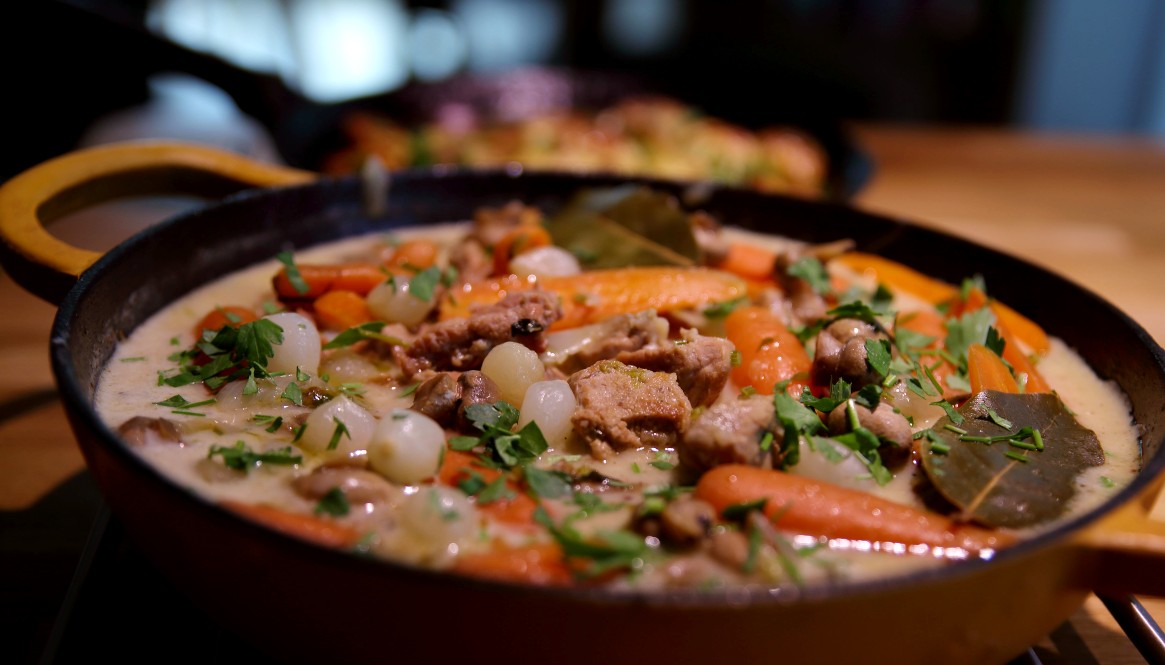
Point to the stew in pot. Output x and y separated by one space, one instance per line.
623 393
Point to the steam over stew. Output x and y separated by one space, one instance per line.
623 393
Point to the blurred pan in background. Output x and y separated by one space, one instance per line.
121 55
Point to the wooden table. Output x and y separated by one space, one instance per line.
1089 208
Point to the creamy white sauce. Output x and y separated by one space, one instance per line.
129 387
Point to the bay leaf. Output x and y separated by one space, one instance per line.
629 225
996 490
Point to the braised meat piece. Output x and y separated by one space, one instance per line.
701 364
731 432
620 406
625 332
461 344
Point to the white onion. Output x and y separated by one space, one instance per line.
549 261
513 368
406 447
437 518
268 393
550 404
300 347
323 423
391 302
348 366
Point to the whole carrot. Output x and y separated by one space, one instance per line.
816 508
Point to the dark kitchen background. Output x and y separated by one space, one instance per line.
85 71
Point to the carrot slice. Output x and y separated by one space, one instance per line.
220 316
769 352
358 277
340 310
310 528
986 371
816 508
899 277
517 509
596 295
1012 352
749 261
540 564
521 238
416 255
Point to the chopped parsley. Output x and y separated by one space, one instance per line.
340 431
724 308
293 275
234 352
333 503
606 551
241 458
423 285
370 330
813 272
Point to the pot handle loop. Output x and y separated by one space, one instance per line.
47 266
1128 546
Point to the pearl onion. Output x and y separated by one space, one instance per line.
406 447
300 347
513 368
547 261
391 302
550 404
322 425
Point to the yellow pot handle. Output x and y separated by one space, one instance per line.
47 266
1126 550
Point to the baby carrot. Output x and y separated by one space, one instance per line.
1012 352
516 508
340 310
986 371
517 240
415 255
749 261
319 279
899 277
539 564
815 508
769 352
598 294
315 529
221 316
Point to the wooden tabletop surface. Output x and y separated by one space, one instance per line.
1089 208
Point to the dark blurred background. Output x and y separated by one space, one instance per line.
80 67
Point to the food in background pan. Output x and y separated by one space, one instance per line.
650 136
625 394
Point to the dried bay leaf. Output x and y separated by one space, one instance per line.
995 490
625 226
